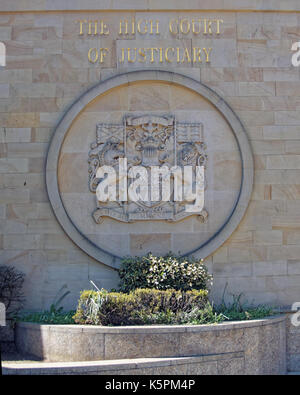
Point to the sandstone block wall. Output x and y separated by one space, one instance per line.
47 69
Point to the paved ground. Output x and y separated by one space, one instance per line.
15 357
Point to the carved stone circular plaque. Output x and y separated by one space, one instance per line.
151 118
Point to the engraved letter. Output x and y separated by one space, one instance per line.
81 22
207 54
93 55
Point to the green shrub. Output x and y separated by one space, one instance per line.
248 313
197 316
168 272
238 310
137 307
149 306
48 317
56 314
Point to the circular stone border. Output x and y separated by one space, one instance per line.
126 79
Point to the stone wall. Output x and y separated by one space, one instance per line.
47 69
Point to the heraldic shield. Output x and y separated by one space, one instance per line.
147 140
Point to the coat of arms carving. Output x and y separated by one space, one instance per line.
146 140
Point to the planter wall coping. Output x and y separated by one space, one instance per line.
152 329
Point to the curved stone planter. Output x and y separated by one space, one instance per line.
252 347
